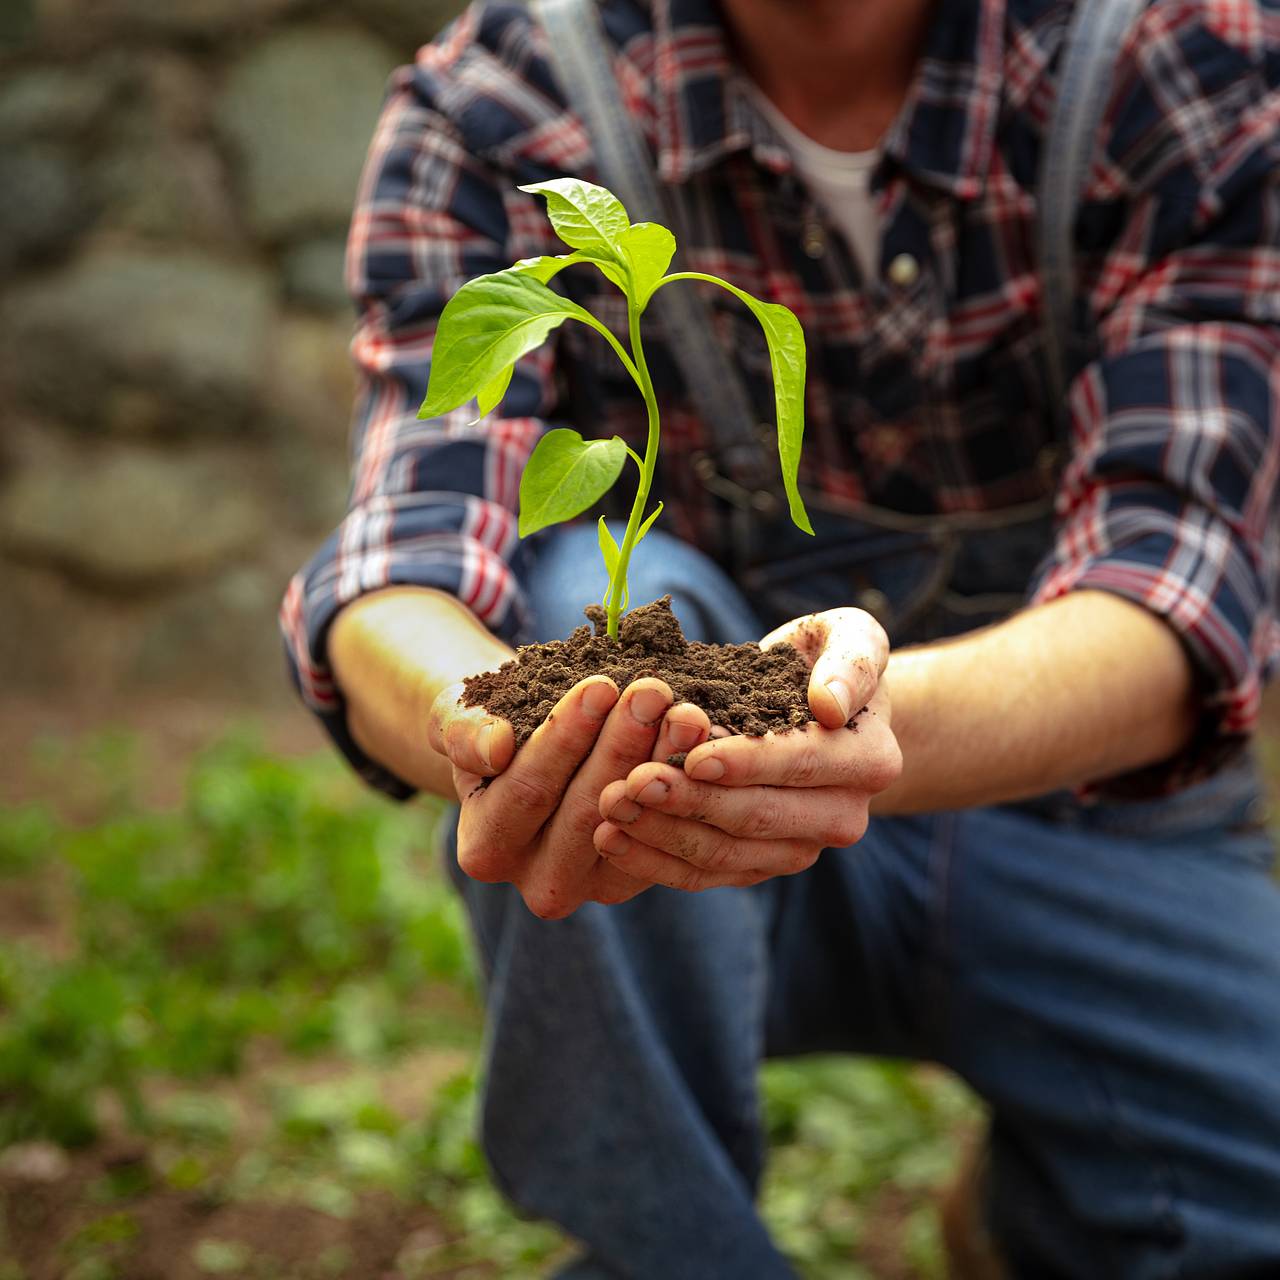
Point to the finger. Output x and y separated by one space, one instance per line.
864 757
470 737
828 816
503 819
566 854
683 727
609 885
719 731
847 650
642 862
466 785
847 671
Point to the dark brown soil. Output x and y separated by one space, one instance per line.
741 687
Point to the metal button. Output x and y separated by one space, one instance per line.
904 271
1048 461
813 240
875 602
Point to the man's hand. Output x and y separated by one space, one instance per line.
531 823
746 809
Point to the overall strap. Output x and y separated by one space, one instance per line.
1094 38
576 43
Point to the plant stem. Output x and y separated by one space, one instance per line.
618 583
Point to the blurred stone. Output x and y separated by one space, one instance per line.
42 204
406 24
129 516
312 380
35 1162
165 189
299 110
75 21
223 632
313 273
17 23
136 341
312 385
155 169
52 101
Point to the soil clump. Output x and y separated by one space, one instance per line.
741 687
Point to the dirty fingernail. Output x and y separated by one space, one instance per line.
684 737
625 811
654 793
708 770
598 699
484 743
843 696
648 705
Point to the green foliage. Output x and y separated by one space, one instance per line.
281 916
495 319
565 475
859 1152
257 911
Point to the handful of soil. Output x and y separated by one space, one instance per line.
742 687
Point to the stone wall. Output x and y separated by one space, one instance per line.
176 177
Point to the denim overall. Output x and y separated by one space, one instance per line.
1106 977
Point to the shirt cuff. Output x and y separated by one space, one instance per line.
453 562
1227 670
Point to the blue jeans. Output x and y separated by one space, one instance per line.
1108 980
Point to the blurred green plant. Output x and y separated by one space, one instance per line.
274 905
280 917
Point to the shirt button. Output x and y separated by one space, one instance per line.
904 271
875 602
814 243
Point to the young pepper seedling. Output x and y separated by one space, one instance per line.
495 319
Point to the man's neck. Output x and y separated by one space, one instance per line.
837 69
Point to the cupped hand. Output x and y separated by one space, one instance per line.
528 817
745 809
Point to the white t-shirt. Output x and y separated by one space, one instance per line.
839 180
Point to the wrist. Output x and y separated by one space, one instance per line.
393 651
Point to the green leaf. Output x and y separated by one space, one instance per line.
584 216
486 327
608 547
787 359
565 474
648 248
644 528
490 395
546 267
610 550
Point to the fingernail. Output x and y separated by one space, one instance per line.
843 696
598 699
684 737
625 811
649 705
654 793
615 843
707 770
484 743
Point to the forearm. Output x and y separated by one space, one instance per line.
392 653
1087 687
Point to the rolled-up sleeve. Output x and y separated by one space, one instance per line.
1169 498
432 503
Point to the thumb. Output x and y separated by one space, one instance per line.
847 650
472 739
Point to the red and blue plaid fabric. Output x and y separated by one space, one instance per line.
925 396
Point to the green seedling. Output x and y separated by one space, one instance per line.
495 319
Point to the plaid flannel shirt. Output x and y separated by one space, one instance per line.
924 396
